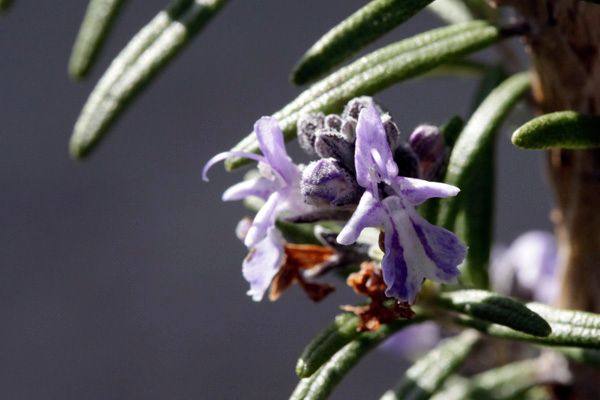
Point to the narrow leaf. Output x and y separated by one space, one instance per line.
320 384
428 374
477 136
363 27
99 17
144 56
327 343
478 209
565 129
451 11
478 198
503 383
491 307
378 70
569 328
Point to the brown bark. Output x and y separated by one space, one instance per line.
564 46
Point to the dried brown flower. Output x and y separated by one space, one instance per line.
380 309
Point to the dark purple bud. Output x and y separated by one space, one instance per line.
307 126
407 161
333 122
335 145
354 106
428 143
326 183
392 132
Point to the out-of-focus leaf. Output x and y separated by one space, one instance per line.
99 17
477 136
378 70
428 374
145 55
491 307
363 27
564 129
503 383
583 356
451 11
5 4
321 383
569 328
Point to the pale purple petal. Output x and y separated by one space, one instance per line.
416 191
532 263
415 250
368 214
263 262
264 219
443 247
272 145
259 187
225 155
413 341
241 229
373 157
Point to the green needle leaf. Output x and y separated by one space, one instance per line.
491 307
144 56
363 27
565 129
476 138
377 71
428 374
320 384
327 343
569 328
477 202
503 383
99 17
451 11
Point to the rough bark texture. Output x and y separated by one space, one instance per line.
564 45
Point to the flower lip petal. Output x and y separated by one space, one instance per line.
272 145
225 155
263 262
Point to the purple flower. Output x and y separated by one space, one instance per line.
414 249
528 268
279 186
413 341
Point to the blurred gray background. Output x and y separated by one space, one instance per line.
120 276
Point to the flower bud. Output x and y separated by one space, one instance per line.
333 122
391 130
354 106
326 183
407 161
335 145
307 126
428 143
